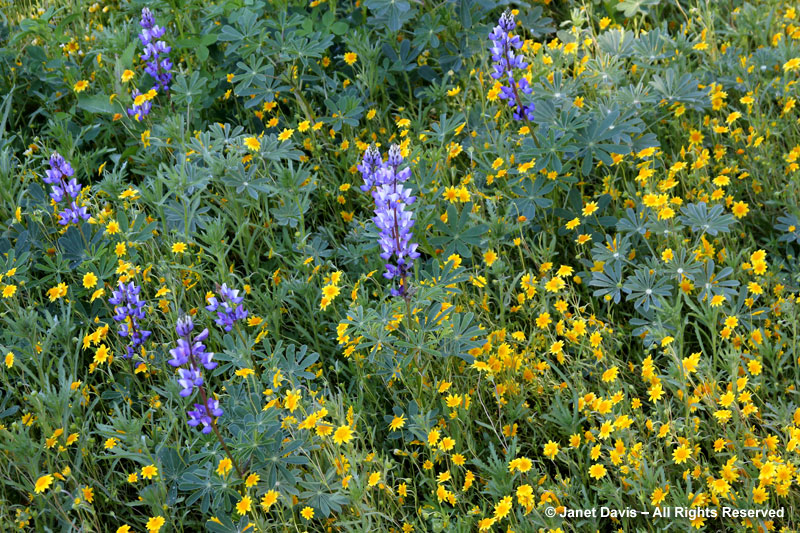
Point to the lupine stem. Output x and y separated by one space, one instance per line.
214 427
519 99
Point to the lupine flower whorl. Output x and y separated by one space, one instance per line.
128 311
391 217
158 64
155 50
191 351
229 309
505 61
56 176
202 415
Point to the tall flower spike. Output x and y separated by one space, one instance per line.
192 353
228 307
128 311
60 177
155 51
391 217
157 64
505 61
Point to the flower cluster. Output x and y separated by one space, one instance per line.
129 310
57 175
229 310
505 61
202 414
391 217
191 350
142 103
155 51
158 63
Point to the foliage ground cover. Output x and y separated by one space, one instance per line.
386 265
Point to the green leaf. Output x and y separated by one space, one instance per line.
127 55
97 103
458 235
339 28
631 8
464 14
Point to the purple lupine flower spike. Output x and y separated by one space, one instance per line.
62 188
129 311
369 166
158 64
228 307
391 217
505 61
191 351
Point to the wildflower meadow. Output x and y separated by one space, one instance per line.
399 266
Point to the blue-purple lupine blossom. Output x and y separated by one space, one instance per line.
155 51
142 109
191 353
129 310
391 217
201 415
228 307
57 176
505 61
158 63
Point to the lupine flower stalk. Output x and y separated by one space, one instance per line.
191 357
190 354
391 217
129 311
228 307
158 63
505 61
65 186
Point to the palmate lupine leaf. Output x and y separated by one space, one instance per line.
712 284
245 35
227 525
560 90
615 42
565 120
652 46
609 132
683 89
664 228
644 287
614 250
244 181
392 13
319 495
256 82
636 96
790 226
609 281
188 89
704 220
532 20
651 327
459 234
404 59
347 109
682 266
634 221
531 195
552 145
460 339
